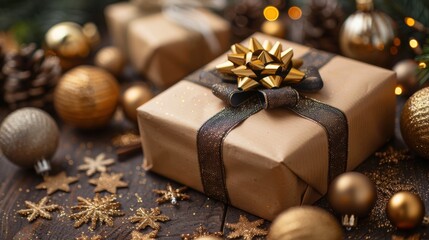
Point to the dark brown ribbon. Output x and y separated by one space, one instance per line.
242 105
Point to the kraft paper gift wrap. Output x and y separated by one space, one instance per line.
275 159
160 49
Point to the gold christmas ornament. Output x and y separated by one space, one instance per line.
108 182
40 209
405 210
415 122
56 183
172 195
261 64
246 229
110 59
353 195
29 138
367 35
305 223
134 97
406 74
97 164
274 28
86 97
148 218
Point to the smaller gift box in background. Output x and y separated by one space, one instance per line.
275 159
167 45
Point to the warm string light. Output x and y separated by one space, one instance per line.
398 90
294 13
422 65
271 13
414 44
411 22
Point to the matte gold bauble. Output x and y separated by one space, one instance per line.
305 223
134 97
352 194
406 74
405 210
29 138
110 59
367 35
274 28
86 97
415 122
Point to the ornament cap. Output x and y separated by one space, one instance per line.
365 5
42 167
349 221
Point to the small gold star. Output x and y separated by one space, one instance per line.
171 194
135 235
84 237
149 218
57 182
101 209
35 210
108 182
245 229
392 155
97 164
200 232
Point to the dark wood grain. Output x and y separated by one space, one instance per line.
18 185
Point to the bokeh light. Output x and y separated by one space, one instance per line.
422 65
271 13
409 21
413 43
294 13
398 90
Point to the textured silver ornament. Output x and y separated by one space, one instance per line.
29 137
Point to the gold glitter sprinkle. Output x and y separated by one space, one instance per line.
108 182
57 182
139 199
126 139
84 237
392 155
97 164
145 218
245 229
98 209
201 231
135 235
34 210
171 194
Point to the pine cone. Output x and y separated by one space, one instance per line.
323 24
29 78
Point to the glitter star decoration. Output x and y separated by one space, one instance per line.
135 235
101 209
170 194
201 231
40 209
392 155
58 182
108 182
246 229
84 237
97 164
145 218
260 64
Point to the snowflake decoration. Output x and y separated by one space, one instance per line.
35 210
135 235
246 229
97 164
200 232
171 194
145 218
392 155
101 209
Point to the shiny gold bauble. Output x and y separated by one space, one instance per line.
132 98
406 75
352 193
29 136
110 59
305 223
415 122
405 210
367 35
86 97
274 28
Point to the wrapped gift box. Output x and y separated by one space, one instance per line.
275 159
161 49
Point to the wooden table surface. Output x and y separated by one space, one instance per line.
18 185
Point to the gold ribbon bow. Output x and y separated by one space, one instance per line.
265 64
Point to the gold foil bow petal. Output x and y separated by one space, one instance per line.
261 64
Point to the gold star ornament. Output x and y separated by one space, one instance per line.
101 209
108 182
58 182
97 164
201 232
40 209
246 229
261 64
136 235
170 194
145 218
